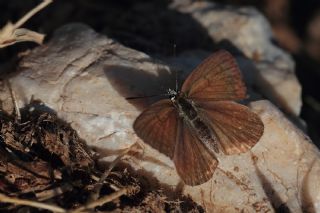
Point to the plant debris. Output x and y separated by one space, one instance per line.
44 164
12 33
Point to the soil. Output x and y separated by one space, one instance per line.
43 159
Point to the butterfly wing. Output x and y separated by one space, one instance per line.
195 163
216 78
236 127
157 126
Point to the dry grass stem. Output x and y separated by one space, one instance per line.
17 201
105 199
31 13
99 184
48 194
14 100
11 33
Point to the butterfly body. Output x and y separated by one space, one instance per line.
202 119
189 114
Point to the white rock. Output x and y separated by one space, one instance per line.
85 77
249 31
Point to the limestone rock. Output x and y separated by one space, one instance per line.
271 68
85 78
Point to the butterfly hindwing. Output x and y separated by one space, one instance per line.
235 126
194 162
217 78
157 126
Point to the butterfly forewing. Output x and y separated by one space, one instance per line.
157 126
235 126
216 78
195 163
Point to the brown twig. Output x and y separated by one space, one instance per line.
14 100
106 199
18 201
48 194
96 191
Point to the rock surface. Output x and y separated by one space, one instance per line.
85 77
270 68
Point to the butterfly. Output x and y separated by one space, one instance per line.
202 119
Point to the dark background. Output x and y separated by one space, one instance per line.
151 26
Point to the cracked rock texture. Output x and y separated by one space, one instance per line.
85 78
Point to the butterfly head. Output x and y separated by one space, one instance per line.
172 94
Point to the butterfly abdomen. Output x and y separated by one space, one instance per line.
188 112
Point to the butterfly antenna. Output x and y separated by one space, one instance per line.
176 72
145 96
176 80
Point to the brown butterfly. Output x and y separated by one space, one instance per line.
202 119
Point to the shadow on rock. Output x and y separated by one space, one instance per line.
131 82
